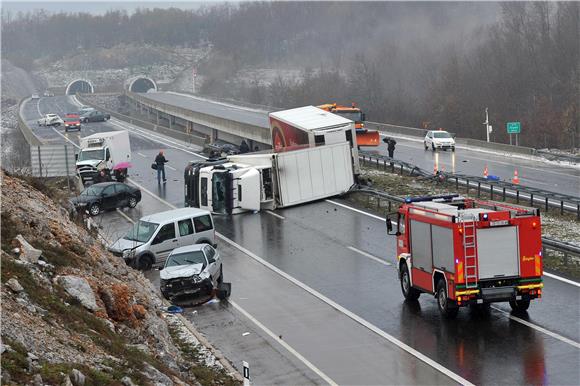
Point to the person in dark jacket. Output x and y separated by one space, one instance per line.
160 161
390 145
244 148
101 177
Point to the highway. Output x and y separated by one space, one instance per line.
316 289
535 173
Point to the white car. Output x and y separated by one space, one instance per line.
439 139
191 271
50 120
35 96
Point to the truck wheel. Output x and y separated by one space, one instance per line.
94 209
132 202
519 305
446 309
144 263
409 292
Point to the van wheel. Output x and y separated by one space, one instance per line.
409 292
144 263
446 309
519 305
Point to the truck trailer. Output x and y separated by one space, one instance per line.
103 151
468 252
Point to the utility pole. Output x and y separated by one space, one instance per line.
488 128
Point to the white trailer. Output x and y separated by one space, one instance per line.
103 151
269 180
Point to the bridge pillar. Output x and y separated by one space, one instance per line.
214 135
158 118
171 121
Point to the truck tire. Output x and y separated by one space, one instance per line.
94 209
446 309
519 305
409 292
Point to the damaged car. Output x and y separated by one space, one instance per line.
191 271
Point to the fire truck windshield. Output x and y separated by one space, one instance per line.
98 154
355 116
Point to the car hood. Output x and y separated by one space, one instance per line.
123 244
180 271
89 162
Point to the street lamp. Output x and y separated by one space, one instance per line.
488 128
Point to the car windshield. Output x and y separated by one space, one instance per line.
186 258
93 190
86 155
355 116
71 119
441 134
141 231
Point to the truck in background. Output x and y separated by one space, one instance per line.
104 151
468 252
364 137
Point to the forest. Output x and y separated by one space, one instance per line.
422 64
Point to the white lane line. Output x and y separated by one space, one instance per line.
38 107
142 155
125 216
170 167
568 281
275 215
62 135
284 344
377 259
538 328
333 304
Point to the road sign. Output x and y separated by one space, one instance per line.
513 127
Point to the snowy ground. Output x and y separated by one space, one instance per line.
15 151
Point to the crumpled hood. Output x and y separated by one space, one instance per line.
180 271
123 244
90 162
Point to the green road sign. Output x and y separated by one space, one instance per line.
513 127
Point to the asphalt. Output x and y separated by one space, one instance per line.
343 255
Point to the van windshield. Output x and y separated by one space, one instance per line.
141 231
86 155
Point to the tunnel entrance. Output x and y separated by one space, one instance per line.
141 84
80 86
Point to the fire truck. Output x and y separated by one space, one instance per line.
468 252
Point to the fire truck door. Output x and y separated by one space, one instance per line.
402 241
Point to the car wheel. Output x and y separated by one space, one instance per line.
132 202
409 292
144 263
446 309
426 147
453 148
519 305
94 209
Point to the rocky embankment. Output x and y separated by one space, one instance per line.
74 314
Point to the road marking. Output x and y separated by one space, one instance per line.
355 210
331 303
377 259
276 215
170 167
125 216
568 281
283 343
538 328
142 155
62 135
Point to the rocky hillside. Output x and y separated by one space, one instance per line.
74 314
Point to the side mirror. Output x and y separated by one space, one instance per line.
389 225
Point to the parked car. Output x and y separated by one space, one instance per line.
153 237
85 109
95 116
439 139
192 270
35 96
106 195
50 120
72 121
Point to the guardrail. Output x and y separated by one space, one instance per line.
201 141
503 189
26 131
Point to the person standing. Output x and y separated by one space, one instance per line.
244 148
160 161
391 146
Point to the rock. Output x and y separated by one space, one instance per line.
141 347
109 324
156 376
14 285
27 252
66 381
79 288
127 381
4 348
32 356
77 378
37 380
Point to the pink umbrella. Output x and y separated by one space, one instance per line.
123 165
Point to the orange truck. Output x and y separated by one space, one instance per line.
364 137
468 252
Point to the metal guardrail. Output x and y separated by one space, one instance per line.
503 189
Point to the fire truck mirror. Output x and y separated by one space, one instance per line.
389 225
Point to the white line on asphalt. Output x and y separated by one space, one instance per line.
284 344
331 303
377 259
125 216
276 215
568 281
62 135
38 107
142 155
538 328
170 167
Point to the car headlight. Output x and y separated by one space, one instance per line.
204 275
196 278
128 253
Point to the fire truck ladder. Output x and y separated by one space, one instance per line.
470 253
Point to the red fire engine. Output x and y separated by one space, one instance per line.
467 251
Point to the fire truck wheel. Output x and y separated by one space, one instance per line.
519 305
447 309
409 292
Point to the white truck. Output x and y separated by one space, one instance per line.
317 160
109 151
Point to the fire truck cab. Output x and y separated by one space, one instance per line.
467 251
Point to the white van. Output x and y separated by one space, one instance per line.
153 237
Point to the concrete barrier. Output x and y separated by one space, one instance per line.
29 135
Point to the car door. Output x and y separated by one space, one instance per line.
122 195
164 242
109 197
213 262
186 233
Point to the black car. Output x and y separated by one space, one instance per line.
95 116
106 195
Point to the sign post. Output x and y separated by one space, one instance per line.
514 128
